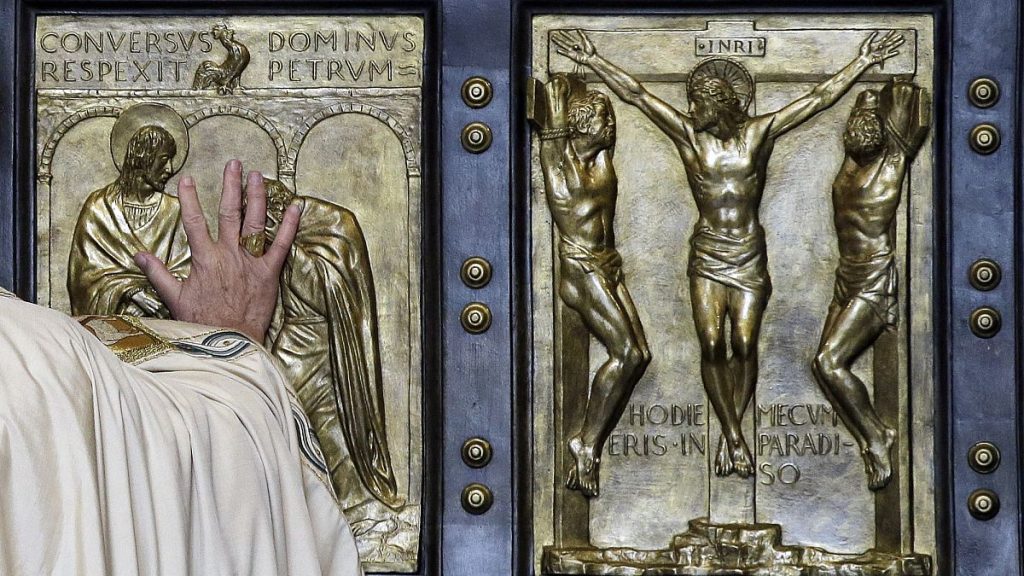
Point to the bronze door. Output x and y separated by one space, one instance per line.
640 288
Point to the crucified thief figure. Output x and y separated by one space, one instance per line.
725 153
577 143
883 134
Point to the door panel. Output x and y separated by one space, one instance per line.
500 279
665 451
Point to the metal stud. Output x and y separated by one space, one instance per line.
983 504
476 272
477 498
985 138
476 452
983 92
476 92
983 457
476 318
476 137
985 274
986 322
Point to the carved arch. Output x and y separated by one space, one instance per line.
46 159
408 146
259 119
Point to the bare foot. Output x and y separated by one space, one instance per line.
583 476
877 462
742 459
723 461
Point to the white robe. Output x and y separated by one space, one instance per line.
189 458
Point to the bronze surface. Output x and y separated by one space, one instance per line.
328 108
735 131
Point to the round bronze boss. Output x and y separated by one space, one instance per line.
476 318
985 274
477 498
986 322
985 138
476 272
477 92
983 92
983 457
983 504
476 137
476 452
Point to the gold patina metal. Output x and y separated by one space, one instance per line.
476 137
329 109
712 411
477 499
983 92
985 274
476 318
477 92
985 138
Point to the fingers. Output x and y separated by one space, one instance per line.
561 41
278 251
870 38
165 284
192 218
587 44
230 215
255 219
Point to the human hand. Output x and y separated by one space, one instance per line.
878 52
576 46
227 286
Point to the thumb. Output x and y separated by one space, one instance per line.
165 284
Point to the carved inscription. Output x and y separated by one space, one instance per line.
344 54
660 429
167 54
730 46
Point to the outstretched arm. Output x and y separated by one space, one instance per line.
579 49
828 92
555 151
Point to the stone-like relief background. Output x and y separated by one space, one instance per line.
656 466
353 139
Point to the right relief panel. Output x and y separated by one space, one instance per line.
732 264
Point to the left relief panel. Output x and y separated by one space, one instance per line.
329 109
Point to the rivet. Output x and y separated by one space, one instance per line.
476 137
476 318
983 457
476 272
476 92
477 498
983 504
985 138
983 92
985 274
986 322
476 452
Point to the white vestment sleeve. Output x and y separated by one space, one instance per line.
184 461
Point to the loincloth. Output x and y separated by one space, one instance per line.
735 262
606 261
874 281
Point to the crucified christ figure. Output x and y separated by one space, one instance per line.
725 153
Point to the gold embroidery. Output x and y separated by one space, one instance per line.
126 336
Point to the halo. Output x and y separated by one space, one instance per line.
149 114
734 73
